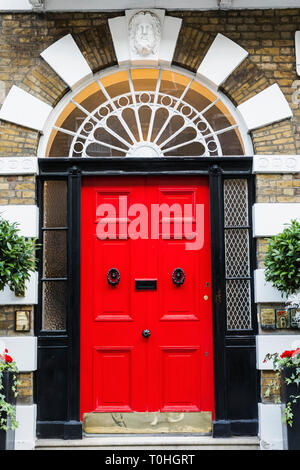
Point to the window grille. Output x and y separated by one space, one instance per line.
147 112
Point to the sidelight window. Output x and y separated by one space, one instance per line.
237 254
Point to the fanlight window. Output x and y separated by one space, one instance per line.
145 112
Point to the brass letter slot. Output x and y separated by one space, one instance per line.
146 284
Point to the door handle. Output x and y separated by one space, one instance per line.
146 333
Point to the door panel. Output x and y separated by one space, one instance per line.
112 304
112 390
112 350
180 378
172 369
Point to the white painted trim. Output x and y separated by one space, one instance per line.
264 291
66 59
27 217
297 50
276 164
71 94
270 218
37 5
23 350
108 5
15 5
221 59
272 343
24 109
18 166
7 297
268 106
225 4
25 434
272 431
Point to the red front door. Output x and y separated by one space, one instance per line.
162 284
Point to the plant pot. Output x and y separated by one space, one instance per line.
293 432
7 438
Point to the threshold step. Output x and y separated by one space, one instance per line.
146 442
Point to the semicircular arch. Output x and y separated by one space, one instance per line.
144 112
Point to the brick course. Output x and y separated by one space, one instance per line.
7 320
25 388
269 378
17 189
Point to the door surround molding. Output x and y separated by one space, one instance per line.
226 346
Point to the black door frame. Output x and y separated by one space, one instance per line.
228 346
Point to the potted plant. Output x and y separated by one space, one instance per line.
282 264
16 258
8 394
282 261
287 367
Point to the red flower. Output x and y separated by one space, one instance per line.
297 351
7 358
287 354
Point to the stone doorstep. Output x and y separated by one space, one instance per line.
136 442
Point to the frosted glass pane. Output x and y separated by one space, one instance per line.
55 253
54 305
55 204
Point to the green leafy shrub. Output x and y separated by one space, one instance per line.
282 260
17 257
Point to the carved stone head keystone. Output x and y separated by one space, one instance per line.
144 33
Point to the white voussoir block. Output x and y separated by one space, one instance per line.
23 350
18 166
26 432
118 31
7 296
264 292
266 344
276 164
272 433
222 58
268 106
26 216
24 109
270 218
66 59
168 43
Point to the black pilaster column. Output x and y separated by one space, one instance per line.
73 428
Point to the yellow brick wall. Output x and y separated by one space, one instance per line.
268 36
17 189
